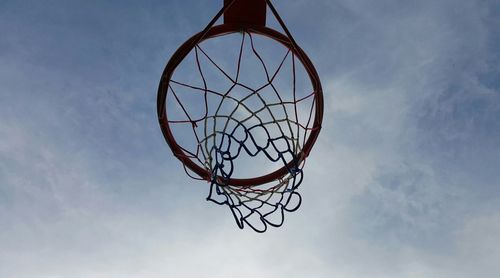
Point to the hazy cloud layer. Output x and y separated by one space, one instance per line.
403 181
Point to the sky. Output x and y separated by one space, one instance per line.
403 180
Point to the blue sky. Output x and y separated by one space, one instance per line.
403 181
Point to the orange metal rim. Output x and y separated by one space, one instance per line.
220 30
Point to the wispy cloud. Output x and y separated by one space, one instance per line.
402 183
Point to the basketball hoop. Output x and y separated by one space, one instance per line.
262 122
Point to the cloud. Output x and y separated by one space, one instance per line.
402 181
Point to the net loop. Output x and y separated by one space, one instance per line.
250 204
